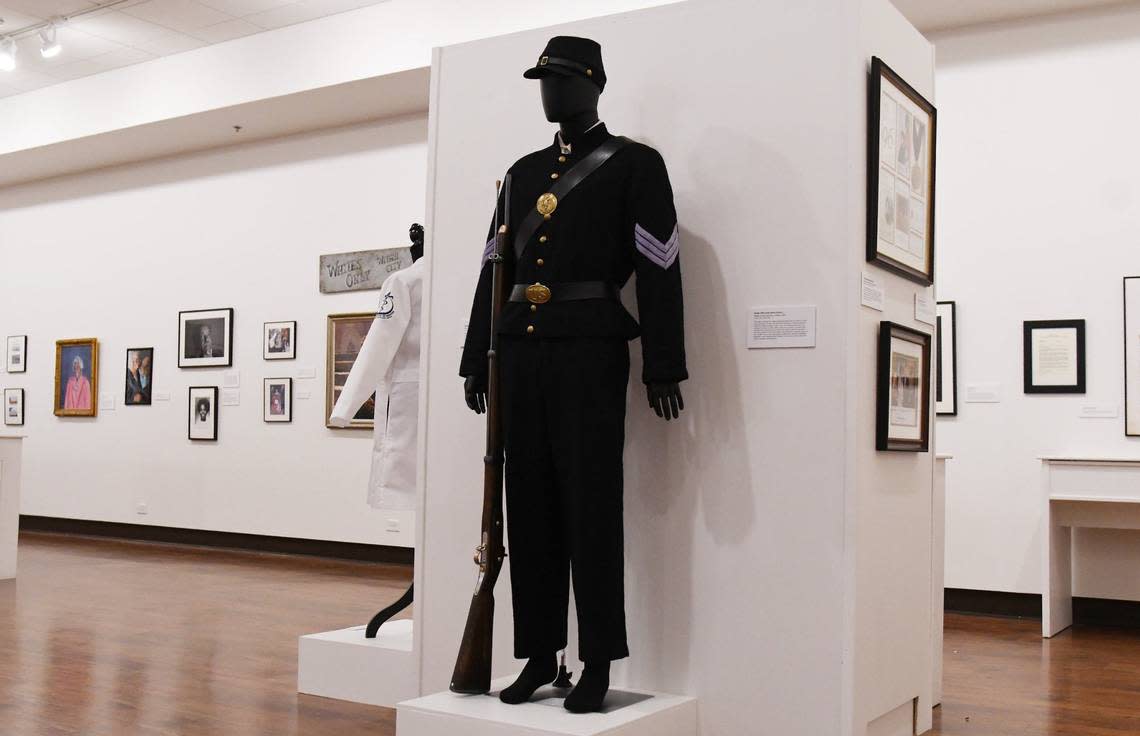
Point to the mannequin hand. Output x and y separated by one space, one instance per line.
665 399
475 392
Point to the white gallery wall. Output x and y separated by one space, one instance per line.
1038 218
115 254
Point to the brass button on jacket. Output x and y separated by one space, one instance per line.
542 239
530 329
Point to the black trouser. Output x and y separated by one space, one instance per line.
564 414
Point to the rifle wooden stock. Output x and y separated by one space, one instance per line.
472 674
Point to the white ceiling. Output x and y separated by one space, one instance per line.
932 16
140 30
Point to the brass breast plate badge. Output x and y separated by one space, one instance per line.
537 294
547 203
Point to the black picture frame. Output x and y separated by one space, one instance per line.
884 440
224 313
191 411
22 341
291 353
8 407
946 388
287 405
880 72
1131 356
147 394
1028 328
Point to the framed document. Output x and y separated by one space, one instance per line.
77 377
902 412
205 338
17 353
1132 356
900 176
14 407
202 410
946 359
1054 356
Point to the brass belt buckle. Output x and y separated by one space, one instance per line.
537 294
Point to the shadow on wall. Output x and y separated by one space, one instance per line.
1011 39
405 130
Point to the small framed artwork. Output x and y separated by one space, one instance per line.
14 407
279 341
346 333
203 413
139 381
17 353
946 359
900 176
205 338
902 415
1054 356
77 377
278 400
1132 356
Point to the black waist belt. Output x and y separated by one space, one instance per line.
571 291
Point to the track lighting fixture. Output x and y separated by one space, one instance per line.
49 42
7 54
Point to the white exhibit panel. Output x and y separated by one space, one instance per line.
1080 493
344 665
1035 223
627 713
11 447
116 254
938 574
767 497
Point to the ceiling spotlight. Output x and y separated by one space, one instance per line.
7 54
49 42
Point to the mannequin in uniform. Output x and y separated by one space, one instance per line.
565 367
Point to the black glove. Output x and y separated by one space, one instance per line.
665 399
475 392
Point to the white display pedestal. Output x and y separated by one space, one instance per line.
346 666
627 713
10 448
938 574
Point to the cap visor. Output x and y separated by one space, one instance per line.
539 72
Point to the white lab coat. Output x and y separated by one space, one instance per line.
389 364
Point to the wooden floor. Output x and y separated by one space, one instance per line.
102 638
112 638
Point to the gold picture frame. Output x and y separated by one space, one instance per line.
344 337
78 395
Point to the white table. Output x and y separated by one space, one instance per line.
938 572
1086 492
11 447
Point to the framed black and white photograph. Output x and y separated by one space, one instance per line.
17 361
946 359
1054 356
139 381
202 411
205 338
902 411
1132 356
14 407
279 341
278 400
900 176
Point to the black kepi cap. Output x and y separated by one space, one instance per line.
570 56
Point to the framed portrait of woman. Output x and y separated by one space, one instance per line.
77 377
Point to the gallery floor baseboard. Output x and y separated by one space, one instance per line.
1086 611
220 540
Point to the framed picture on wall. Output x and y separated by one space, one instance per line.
202 410
205 338
946 359
17 356
277 400
139 377
77 377
279 341
14 407
900 176
1132 356
1054 356
346 333
902 412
